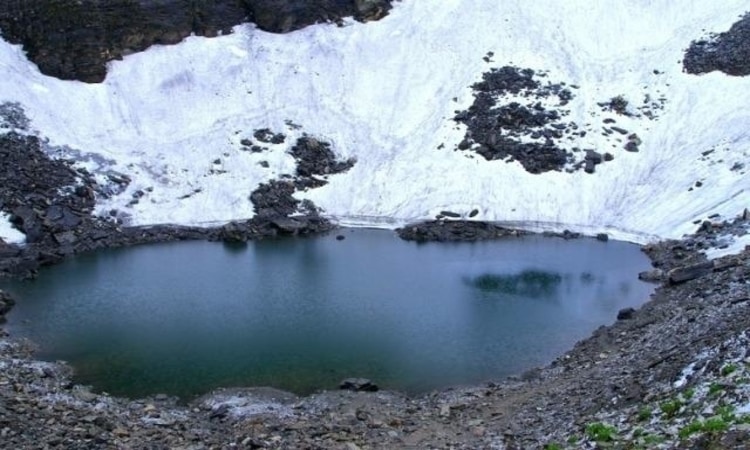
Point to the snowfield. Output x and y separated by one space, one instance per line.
385 92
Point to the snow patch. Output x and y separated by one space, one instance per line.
8 233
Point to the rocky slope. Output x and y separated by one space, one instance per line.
52 202
74 40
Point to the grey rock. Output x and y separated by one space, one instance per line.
691 272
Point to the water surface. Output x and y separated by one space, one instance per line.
302 314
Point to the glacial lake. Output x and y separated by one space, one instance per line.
301 314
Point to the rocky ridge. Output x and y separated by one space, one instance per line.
74 40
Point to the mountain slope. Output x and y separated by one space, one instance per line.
385 93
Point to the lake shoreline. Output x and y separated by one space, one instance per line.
638 362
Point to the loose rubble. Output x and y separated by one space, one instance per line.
520 116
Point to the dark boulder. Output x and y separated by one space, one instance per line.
358 385
690 272
6 303
625 314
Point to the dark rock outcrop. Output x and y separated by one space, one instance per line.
454 230
75 39
501 131
728 52
315 158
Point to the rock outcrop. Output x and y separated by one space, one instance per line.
728 52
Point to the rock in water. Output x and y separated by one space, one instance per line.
6 303
653 276
358 385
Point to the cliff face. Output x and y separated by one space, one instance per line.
74 39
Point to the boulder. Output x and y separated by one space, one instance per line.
689 272
6 303
625 314
358 385
654 276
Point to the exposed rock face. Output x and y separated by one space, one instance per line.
75 39
728 52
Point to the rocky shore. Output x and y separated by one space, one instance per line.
52 202
673 374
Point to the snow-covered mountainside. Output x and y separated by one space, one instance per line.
173 119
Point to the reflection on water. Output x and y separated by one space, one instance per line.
302 314
529 283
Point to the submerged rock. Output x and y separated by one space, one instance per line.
6 303
358 385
